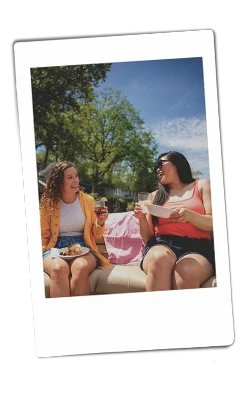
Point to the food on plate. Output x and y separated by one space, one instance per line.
72 250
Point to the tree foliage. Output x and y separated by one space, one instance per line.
196 173
99 131
57 90
113 144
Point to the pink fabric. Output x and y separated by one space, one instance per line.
122 238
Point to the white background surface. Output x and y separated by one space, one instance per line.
182 319
142 378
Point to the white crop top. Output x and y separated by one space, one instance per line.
72 219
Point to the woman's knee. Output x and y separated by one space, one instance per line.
59 270
80 269
161 260
185 277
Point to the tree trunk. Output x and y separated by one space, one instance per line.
95 182
46 158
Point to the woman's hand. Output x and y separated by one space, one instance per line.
202 222
103 217
138 211
145 222
181 215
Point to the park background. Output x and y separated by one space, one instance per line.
113 120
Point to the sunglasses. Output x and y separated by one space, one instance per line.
159 164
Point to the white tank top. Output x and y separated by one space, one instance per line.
72 219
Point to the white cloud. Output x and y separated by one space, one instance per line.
181 133
188 136
177 105
199 163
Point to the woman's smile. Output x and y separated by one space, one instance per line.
160 175
70 180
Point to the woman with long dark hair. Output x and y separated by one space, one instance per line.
68 218
179 251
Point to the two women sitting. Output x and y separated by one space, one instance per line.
178 254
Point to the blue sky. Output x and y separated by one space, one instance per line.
170 97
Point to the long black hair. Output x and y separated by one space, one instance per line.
183 169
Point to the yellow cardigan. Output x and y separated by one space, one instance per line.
50 223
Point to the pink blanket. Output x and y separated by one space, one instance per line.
122 238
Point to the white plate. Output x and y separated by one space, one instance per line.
56 252
159 211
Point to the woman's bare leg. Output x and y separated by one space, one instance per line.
158 264
58 271
191 271
81 267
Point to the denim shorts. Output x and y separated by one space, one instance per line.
65 241
182 246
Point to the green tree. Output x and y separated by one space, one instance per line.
56 90
196 173
113 144
40 159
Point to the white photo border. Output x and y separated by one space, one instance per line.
134 321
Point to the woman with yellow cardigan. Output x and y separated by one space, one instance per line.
68 217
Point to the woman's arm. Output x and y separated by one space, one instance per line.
45 223
98 226
202 222
145 221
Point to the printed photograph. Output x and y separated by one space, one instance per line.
123 177
124 195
